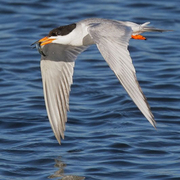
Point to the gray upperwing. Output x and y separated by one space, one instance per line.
112 40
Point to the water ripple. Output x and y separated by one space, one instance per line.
106 136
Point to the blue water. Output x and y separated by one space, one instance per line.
106 138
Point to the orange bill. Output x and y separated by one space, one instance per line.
45 40
139 37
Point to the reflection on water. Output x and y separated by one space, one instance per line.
60 173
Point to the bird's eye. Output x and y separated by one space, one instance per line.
54 33
62 30
58 32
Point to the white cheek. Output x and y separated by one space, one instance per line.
69 39
62 40
74 38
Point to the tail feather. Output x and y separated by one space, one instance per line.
141 28
144 28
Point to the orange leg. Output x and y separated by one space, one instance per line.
139 37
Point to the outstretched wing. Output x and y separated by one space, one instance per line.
112 40
57 64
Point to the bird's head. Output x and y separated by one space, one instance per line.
57 35
54 34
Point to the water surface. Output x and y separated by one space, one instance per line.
106 136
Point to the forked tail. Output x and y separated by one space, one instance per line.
138 29
145 28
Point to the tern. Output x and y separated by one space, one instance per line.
60 48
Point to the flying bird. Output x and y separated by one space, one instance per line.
60 48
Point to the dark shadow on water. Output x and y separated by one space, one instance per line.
60 172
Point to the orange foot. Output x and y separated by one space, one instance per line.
139 37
